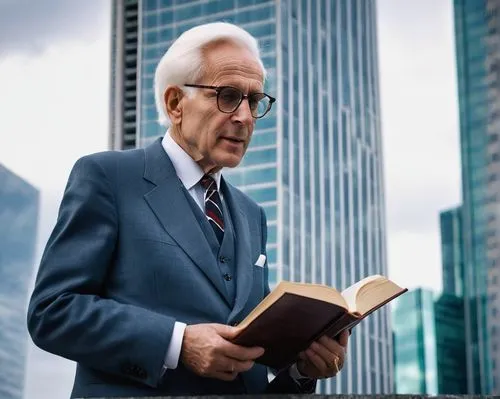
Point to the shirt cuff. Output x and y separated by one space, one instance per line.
174 347
296 375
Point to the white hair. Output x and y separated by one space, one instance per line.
184 59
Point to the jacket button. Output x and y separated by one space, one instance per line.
223 259
228 277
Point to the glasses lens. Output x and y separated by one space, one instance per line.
229 99
259 104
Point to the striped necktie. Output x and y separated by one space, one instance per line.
213 206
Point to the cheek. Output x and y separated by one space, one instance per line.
216 125
204 129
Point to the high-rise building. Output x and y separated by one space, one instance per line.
315 162
449 307
477 45
450 344
493 190
450 222
429 344
18 229
415 352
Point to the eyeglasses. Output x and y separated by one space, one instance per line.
230 98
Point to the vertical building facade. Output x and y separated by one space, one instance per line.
477 38
18 228
315 161
493 190
450 344
450 223
415 352
449 307
429 344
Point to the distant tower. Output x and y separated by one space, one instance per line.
452 251
429 344
18 230
478 63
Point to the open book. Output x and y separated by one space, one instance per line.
293 315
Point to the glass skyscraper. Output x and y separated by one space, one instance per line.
452 249
429 344
18 228
315 162
477 48
450 344
493 190
415 352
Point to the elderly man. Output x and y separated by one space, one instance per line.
152 259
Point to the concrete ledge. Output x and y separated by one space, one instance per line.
315 396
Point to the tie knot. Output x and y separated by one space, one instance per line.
207 182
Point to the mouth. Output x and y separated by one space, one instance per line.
234 140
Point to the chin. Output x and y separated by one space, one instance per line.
231 161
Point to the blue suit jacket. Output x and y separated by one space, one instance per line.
126 259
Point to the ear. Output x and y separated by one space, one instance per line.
173 104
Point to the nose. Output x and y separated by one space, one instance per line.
243 115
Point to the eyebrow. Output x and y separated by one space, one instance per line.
251 91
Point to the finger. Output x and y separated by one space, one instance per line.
330 366
343 338
226 332
225 376
317 361
240 352
232 365
334 360
332 345
244 366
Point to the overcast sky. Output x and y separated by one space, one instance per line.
54 68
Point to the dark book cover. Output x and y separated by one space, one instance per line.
293 322
289 326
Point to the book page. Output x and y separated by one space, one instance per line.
351 293
314 291
376 293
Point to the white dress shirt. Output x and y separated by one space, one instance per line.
190 174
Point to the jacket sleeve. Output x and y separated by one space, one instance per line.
68 313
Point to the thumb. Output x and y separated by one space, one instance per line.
226 332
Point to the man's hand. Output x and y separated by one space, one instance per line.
324 358
206 350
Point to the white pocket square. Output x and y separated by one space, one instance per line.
261 261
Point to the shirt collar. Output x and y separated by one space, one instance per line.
188 171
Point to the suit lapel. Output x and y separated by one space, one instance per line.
244 275
170 205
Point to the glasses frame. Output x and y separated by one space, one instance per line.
244 96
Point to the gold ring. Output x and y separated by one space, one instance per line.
335 364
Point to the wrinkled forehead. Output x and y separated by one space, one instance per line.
226 60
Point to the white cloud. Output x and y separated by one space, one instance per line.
54 109
27 26
420 133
